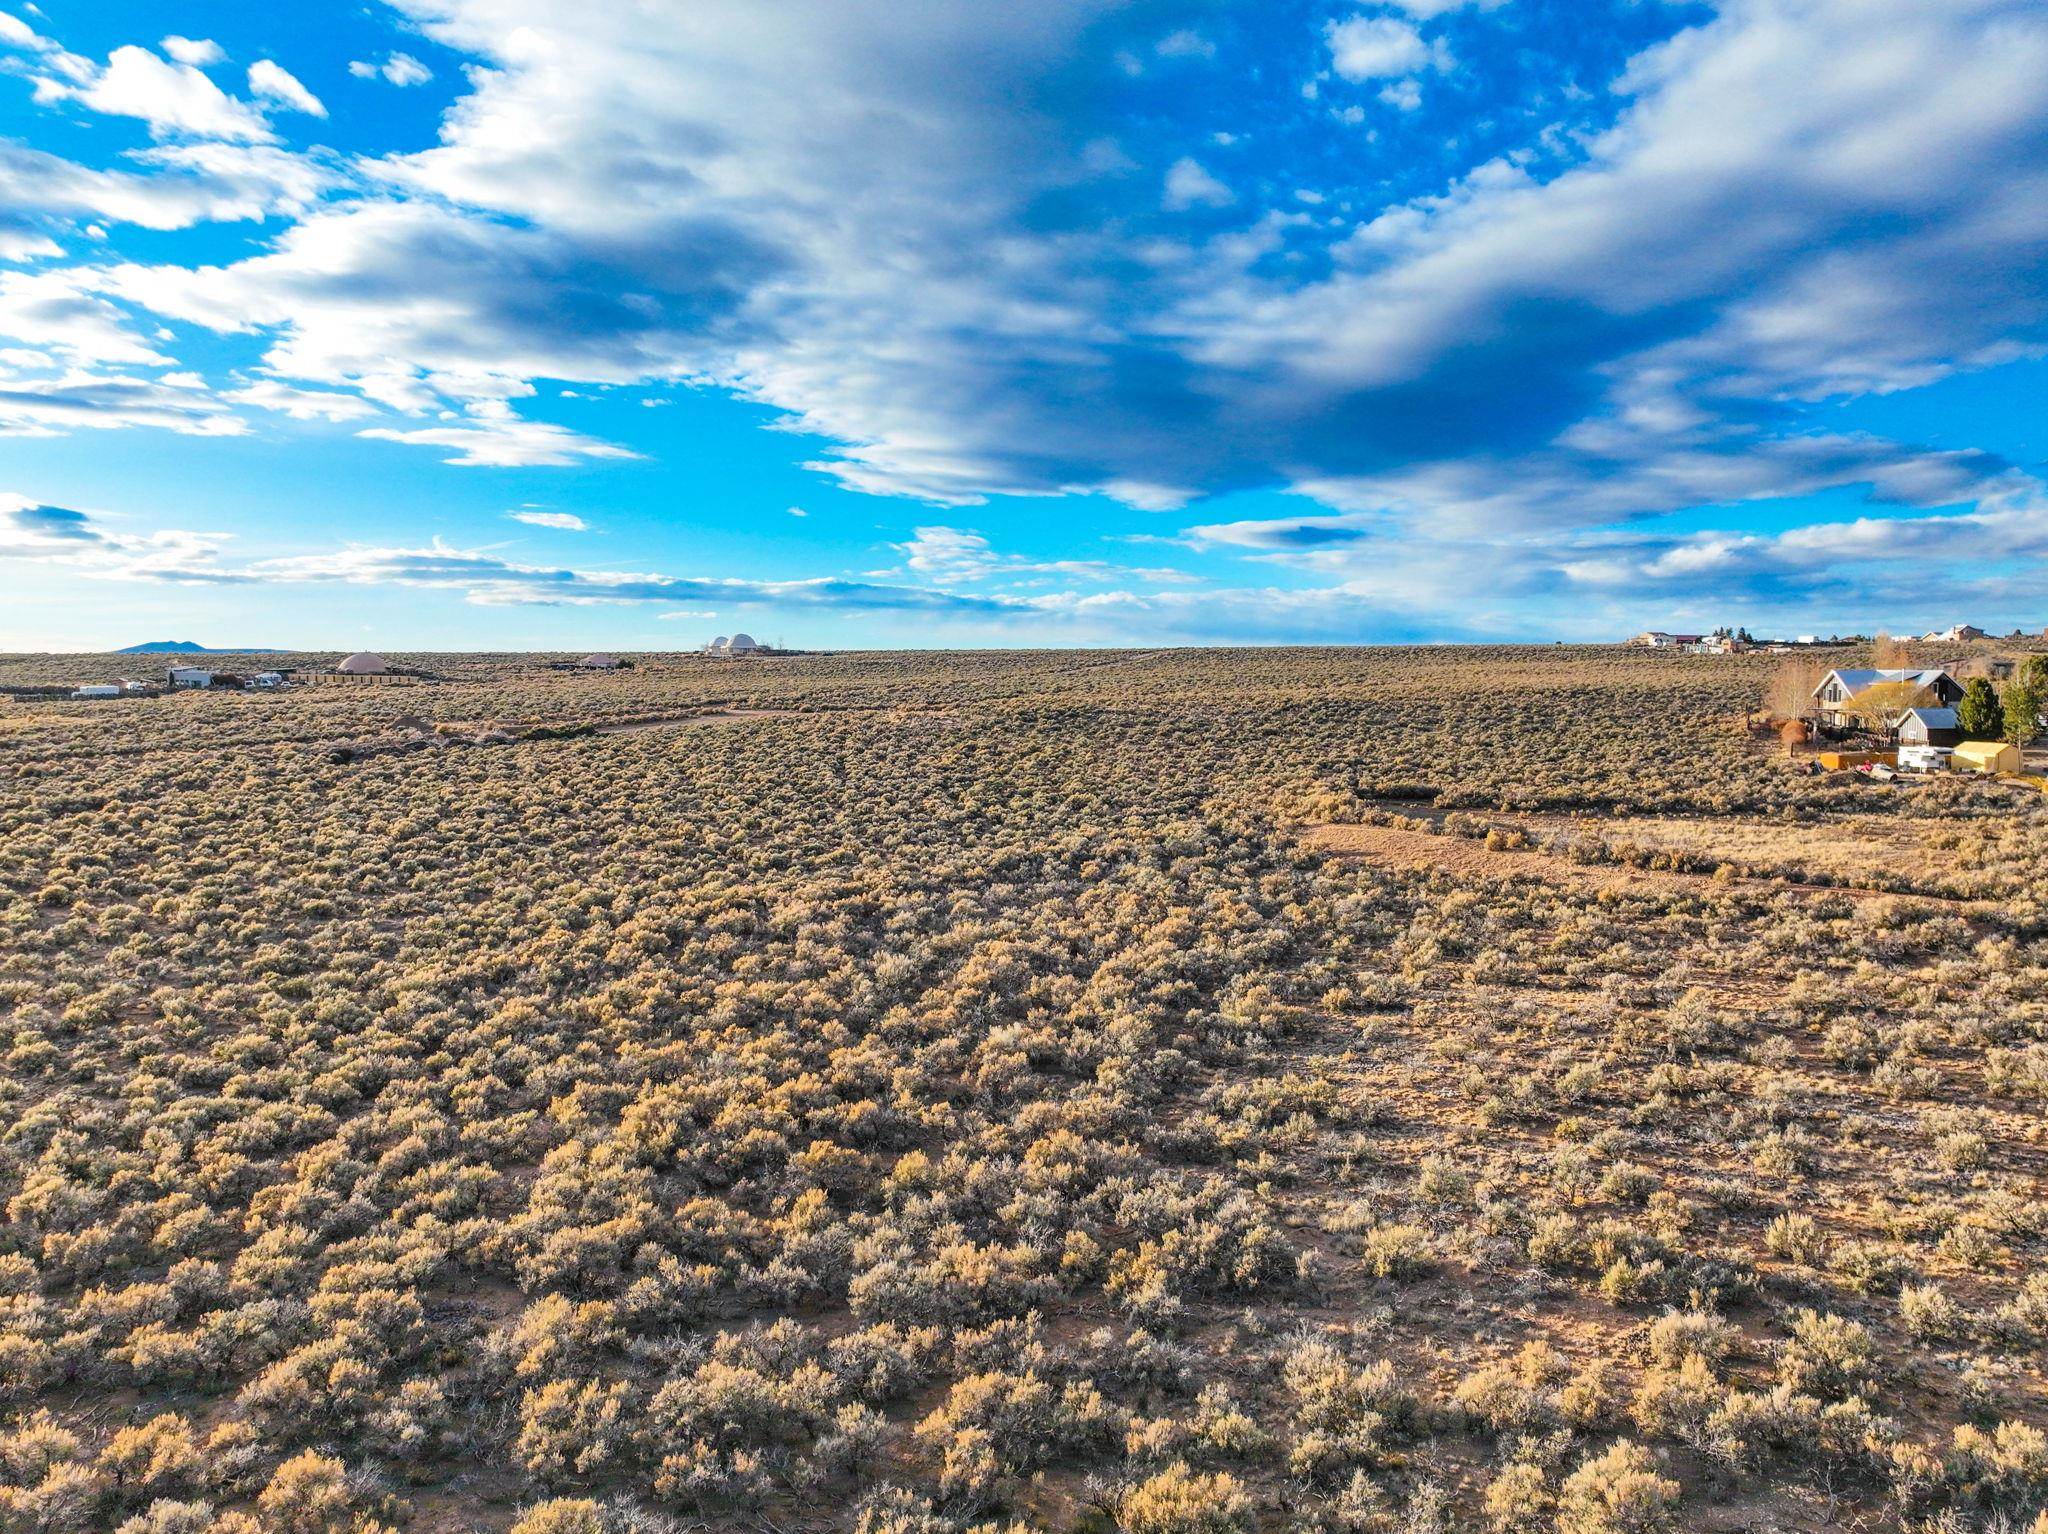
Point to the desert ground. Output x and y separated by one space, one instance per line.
1176 1092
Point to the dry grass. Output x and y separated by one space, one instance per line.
963 1093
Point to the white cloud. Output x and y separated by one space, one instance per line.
303 404
81 541
271 81
50 400
1373 47
957 556
199 52
1185 44
176 100
400 69
1795 199
174 187
56 311
493 437
1427 9
1188 185
561 521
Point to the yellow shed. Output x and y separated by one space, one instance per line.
1985 756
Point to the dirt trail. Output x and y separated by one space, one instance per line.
691 721
1399 848
742 715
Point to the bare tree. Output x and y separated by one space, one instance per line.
1789 693
1876 707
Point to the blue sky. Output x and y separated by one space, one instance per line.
515 323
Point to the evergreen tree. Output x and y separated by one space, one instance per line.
2020 702
1979 714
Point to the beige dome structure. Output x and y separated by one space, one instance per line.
363 664
600 662
740 644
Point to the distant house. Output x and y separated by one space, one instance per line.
98 690
1956 635
1928 727
599 662
1657 639
188 676
1835 697
363 664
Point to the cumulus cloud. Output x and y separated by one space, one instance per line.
400 69
175 100
272 82
1372 47
1188 185
57 313
199 52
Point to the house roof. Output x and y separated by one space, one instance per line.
1855 678
1932 718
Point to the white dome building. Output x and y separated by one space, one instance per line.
741 644
720 643
600 662
363 664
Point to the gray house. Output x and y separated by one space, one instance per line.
1928 727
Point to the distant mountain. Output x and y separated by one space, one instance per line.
186 647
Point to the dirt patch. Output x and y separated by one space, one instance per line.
1398 848
1862 852
1464 857
691 721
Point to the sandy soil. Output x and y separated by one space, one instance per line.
1398 848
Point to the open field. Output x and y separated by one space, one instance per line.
1174 1092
